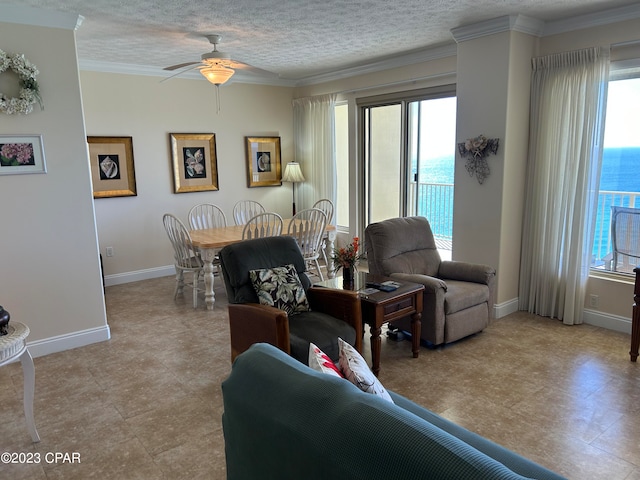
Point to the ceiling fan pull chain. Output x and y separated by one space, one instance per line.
217 99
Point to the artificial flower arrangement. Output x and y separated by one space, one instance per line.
347 257
29 88
476 149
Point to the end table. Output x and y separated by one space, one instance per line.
14 346
381 307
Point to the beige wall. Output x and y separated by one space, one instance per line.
148 111
49 255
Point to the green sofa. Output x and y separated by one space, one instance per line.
282 420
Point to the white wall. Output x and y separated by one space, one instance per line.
148 111
49 255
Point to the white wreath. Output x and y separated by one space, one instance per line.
29 89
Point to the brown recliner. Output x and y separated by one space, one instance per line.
459 297
334 313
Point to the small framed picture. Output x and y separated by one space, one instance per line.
21 154
263 161
112 168
195 164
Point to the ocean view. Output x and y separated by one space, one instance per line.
620 173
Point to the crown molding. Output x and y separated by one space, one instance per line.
517 23
39 18
417 56
605 17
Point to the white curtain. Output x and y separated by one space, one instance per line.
568 103
314 146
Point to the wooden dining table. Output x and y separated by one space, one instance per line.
210 241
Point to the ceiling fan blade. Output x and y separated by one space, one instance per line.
180 65
251 69
195 65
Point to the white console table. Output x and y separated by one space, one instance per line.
13 346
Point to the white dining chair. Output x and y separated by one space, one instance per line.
206 215
184 255
308 228
246 209
268 224
328 208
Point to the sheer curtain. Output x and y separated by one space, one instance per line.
314 146
568 100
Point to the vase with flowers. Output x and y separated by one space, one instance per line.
347 259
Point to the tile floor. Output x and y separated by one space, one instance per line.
147 403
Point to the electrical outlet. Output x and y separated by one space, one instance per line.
594 301
109 251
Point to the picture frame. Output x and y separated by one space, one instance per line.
112 167
264 167
20 154
194 161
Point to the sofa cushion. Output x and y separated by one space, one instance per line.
331 429
463 295
356 370
280 287
323 328
320 362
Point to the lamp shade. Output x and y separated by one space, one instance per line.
292 173
217 74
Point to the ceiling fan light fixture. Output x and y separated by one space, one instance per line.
217 74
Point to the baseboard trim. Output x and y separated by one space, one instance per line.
60 343
607 320
137 275
505 308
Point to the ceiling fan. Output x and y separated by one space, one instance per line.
216 66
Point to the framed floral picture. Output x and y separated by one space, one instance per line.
264 168
21 154
195 164
112 168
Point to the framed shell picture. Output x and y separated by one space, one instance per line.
194 160
264 168
112 168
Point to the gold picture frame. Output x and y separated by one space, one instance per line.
112 169
264 168
194 160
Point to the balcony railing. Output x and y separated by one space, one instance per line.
435 202
602 244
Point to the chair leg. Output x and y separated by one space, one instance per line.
319 271
179 284
196 278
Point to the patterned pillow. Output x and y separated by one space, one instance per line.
280 287
357 371
319 361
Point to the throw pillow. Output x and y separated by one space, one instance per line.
320 361
280 287
357 371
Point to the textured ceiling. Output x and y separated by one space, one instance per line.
296 39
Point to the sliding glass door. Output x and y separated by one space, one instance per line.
409 151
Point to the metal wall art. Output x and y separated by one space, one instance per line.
475 150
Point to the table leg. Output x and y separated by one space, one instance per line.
416 328
29 374
376 344
208 255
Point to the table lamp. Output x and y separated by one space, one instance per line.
293 174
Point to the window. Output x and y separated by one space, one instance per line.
342 165
620 175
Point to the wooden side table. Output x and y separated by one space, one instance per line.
635 322
14 346
381 307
